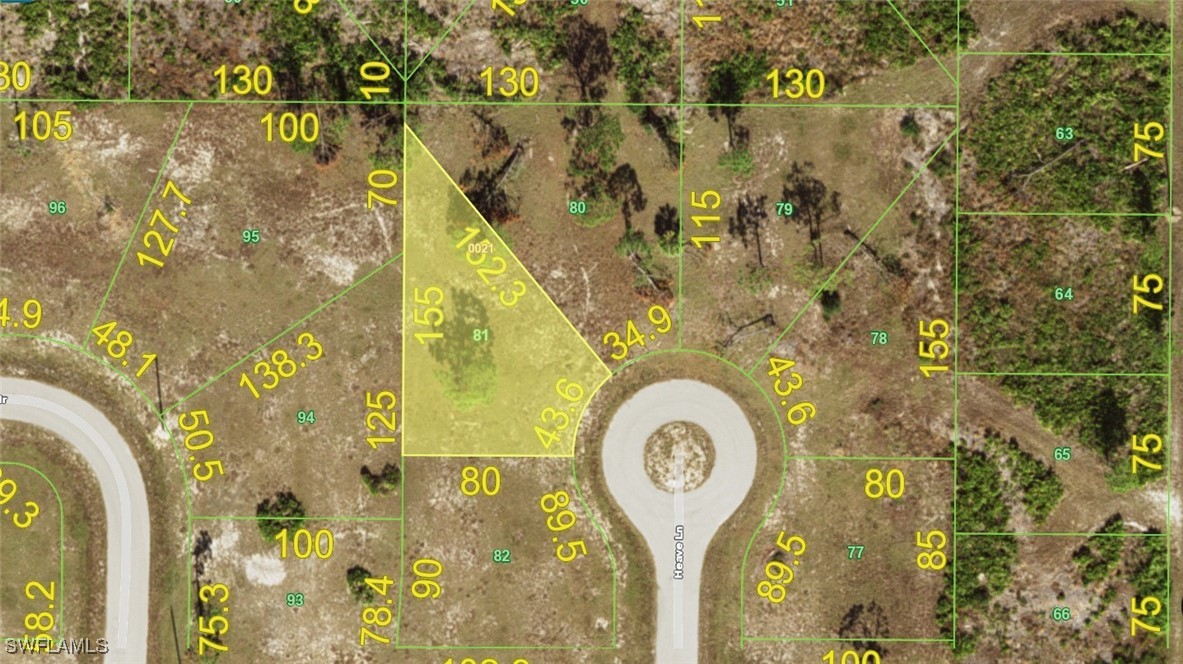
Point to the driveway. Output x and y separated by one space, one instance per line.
679 526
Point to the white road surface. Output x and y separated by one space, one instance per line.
126 501
680 524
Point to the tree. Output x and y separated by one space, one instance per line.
382 482
750 214
665 227
469 373
587 53
355 579
483 188
643 56
624 187
494 137
633 246
280 512
597 137
813 204
863 625
728 83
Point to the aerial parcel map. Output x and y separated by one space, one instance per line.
589 331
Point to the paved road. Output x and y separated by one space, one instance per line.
126 501
658 514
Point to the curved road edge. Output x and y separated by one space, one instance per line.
124 498
679 527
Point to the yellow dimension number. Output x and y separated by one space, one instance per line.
18 76
522 81
374 72
40 621
798 413
1150 444
702 19
559 419
219 623
305 127
500 4
499 265
153 239
32 315
198 439
486 480
1138 608
376 617
658 316
699 202
381 414
1149 284
250 81
433 316
303 6
876 488
380 179
44 126
8 489
934 350
560 521
282 365
933 559
304 543
777 574
797 83
1153 132
852 657
117 348
426 570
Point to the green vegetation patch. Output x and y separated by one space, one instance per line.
1014 322
645 61
885 36
87 58
985 564
1012 141
283 511
1038 485
539 27
1098 557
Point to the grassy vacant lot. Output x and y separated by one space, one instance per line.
1008 583
264 447
570 604
104 174
742 291
35 553
605 51
1014 320
1004 26
263 626
990 423
832 595
519 166
316 238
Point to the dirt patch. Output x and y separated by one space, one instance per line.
679 439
